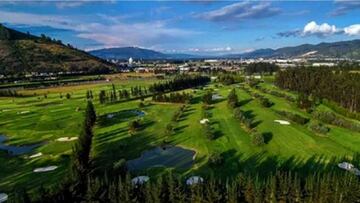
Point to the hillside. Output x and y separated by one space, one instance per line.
343 49
24 53
124 53
127 52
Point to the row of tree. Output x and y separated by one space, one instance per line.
115 95
340 87
279 187
173 97
179 83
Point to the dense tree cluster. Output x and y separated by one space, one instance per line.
333 119
173 97
9 93
319 128
277 94
134 126
179 83
261 67
279 187
229 78
293 117
340 87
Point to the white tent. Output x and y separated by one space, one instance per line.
346 166
3 197
140 180
194 180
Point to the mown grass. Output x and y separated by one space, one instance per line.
292 147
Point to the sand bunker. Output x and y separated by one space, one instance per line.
140 180
194 180
45 169
203 121
282 122
216 97
66 139
3 197
23 112
35 155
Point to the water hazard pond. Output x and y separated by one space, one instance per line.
168 156
16 150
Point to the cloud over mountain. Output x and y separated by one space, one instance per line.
321 30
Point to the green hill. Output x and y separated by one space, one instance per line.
22 53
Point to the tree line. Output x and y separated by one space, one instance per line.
261 67
180 82
322 83
173 97
279 187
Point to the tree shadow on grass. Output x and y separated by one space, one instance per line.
267 137
262 165
244 102
180 129
117 117
255 124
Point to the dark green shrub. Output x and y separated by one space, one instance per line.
319 128
257 139
216 159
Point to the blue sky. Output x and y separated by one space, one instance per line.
197 27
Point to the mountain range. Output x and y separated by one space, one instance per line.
342 49
22 53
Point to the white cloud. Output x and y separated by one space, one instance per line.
352 30
240 11
312 28
321 30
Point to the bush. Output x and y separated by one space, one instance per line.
319 128
208 131
257 139
134 125
294 117
68 96
333 119
216 159
265 102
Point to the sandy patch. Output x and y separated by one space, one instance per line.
45 169
66 139
35 155
203 121
110 116
282 122
23 112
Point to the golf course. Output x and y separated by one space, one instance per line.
39 129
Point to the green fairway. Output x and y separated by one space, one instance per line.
36 119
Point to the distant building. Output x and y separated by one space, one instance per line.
131 61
